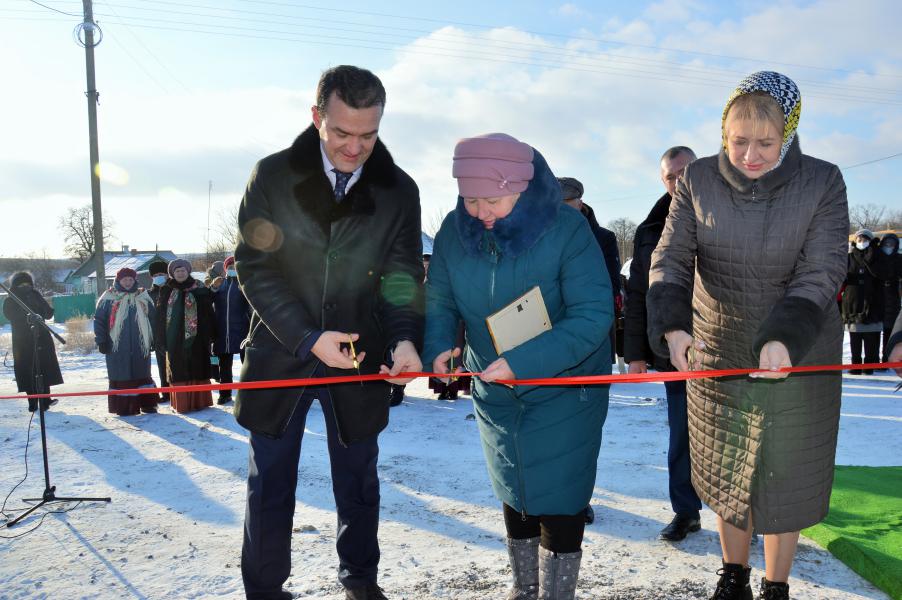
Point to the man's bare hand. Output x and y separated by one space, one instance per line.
328 349
637 366
774 355
406 360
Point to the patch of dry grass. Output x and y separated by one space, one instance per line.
80 336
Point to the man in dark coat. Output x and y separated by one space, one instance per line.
637 352
330 259
24 351
158 271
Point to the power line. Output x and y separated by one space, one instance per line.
555 51
559 35
870 162
225 30
54 9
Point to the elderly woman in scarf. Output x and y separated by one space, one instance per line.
510 233
745 276
123 331
185 330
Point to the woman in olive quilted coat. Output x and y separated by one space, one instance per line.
746 275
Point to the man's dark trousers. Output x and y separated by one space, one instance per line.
272 479
683 498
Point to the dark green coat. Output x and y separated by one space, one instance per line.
541 443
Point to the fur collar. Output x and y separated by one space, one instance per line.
313 191
516 233
767 182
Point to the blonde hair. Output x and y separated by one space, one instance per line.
758 107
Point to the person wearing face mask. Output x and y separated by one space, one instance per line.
158 275
123 332
185 330
232 323
889 272
862 300
24 351
745 276
509 233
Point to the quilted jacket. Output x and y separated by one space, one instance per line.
767 257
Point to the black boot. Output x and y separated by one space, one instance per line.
734 583
773 590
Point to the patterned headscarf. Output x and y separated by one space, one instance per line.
782 89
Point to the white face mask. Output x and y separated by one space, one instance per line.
862 245
159 279
888 250
232 273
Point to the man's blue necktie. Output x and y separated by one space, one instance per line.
341 182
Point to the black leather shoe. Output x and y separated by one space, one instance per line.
397 395
223 400
368 592
680 527
590 515
773 590
733 583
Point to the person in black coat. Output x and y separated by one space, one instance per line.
638 354
895 344
158 275
24 351
329 255
572 194
232 323
862 301
889 272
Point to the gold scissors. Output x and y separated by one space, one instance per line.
451 379
354 356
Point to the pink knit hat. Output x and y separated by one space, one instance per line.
492 165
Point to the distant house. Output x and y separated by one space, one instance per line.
83 278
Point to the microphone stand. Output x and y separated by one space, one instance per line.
35 323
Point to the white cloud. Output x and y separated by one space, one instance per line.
571 10
600 112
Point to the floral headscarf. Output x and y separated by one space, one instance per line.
782 89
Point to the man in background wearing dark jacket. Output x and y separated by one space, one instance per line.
637 352
572 192
330 259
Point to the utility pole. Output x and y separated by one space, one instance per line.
87 28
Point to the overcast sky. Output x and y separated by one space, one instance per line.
197 91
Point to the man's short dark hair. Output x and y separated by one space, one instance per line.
356 87
672 153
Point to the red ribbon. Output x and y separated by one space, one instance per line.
555 381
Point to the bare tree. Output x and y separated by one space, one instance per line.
866 216
223 245
893 221
77 227
625 230
433 222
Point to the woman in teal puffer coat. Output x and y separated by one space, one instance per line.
509 233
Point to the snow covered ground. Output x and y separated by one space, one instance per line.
177 482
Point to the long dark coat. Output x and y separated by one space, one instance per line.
129 361
635 331
862 297
540 443
233 315
766 257
186 364
308 264
23 342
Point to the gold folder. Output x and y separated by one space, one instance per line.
518 322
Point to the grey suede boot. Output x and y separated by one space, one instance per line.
558 574
524 557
